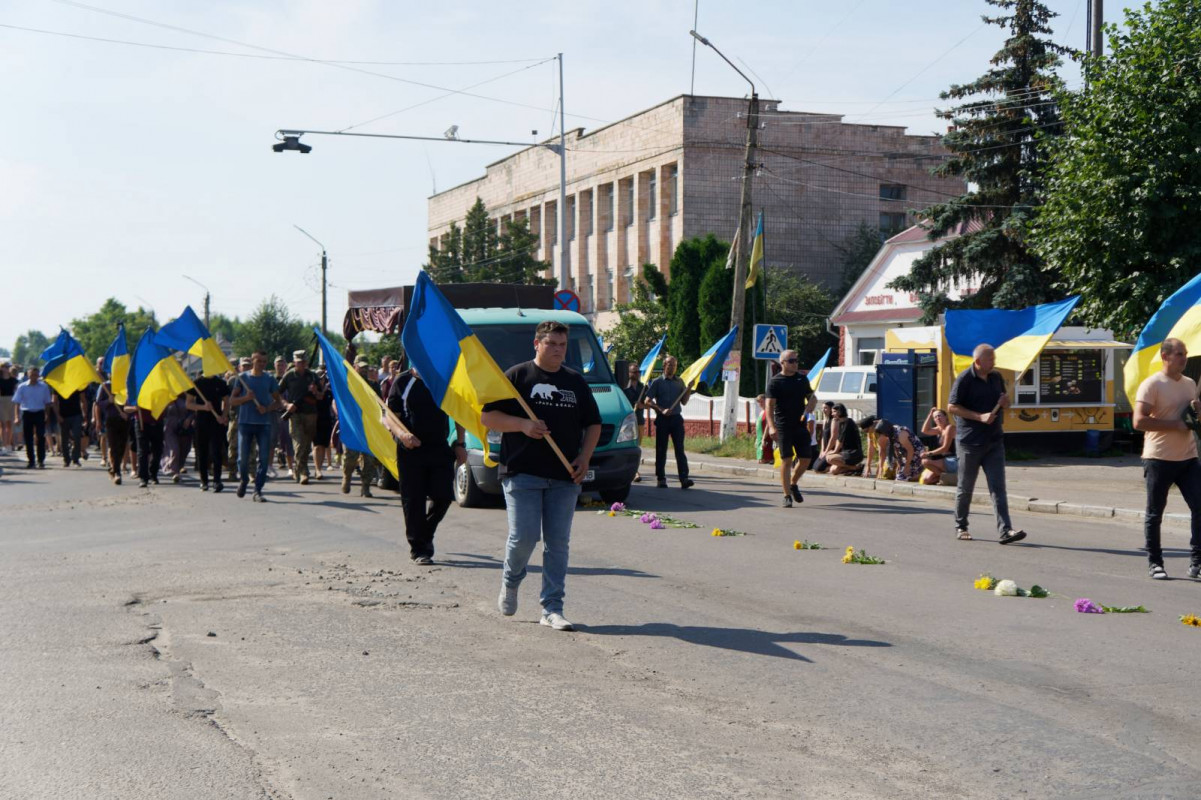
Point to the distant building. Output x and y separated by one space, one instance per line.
638 186
870 308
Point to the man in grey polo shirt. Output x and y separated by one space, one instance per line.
662 396
978 398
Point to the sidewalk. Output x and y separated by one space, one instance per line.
1083 487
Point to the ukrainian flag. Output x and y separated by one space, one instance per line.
188 335
67 369
647 368
358 408
815 372
155 377
1017 336
1178 318
116 361
452 361
756 254
707 368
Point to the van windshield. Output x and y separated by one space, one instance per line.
512 344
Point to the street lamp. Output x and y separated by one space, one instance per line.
324 263
206 297
289 139
729 418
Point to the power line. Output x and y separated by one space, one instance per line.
261 56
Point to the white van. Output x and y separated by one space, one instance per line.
854 387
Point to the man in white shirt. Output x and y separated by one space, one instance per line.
30 401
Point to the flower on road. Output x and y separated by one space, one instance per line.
1191 619
1006 588
1086 606
985 582
617 507
656 525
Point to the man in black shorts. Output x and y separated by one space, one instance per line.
789 399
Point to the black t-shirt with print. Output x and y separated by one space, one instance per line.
564 402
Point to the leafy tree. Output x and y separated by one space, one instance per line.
477 253
96 332
387 345
715 303
1124 192
642 321
228 327
5 352
689 263
855 252
999 145
803 306
29 347
273 329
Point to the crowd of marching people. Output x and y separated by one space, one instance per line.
293 421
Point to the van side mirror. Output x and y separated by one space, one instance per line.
621 368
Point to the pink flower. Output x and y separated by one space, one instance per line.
656 525
1086 606
648 517
617 507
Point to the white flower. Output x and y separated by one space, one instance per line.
1006 588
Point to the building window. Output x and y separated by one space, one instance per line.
611 280
589 298
673 189
631 276
891 223
570 219
628 184
868 347
610 198
650 195
892 191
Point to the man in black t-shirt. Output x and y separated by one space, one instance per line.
426 461
209 401
540 492
70 419
789 399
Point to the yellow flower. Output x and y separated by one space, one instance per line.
1191 619
850 549
717 531
796 545
612 513
847 558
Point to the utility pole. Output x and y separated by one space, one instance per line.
207 298
564 269
324 264
1096 18
729 417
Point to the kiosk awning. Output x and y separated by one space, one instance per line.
1087 344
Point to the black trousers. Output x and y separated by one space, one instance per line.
210 447
150 449
1160 477
426 492
117 431
670 427
32 421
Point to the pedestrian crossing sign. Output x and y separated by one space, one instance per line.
770 341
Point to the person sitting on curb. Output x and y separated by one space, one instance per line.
942 458
844 449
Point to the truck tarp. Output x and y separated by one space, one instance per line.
383 310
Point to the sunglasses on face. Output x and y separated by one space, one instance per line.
790 361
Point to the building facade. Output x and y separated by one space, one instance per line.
637 187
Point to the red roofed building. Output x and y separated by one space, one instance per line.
870 308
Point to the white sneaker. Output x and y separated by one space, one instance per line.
556 621
507 602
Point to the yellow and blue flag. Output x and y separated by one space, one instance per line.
647 368
155 377
707 368
188 335
116 361
452 361
1018 336
1178 318
756 254
67 370
815 372
358 408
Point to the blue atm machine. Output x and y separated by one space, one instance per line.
906 387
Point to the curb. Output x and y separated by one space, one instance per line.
917 491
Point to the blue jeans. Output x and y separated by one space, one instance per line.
250 435
539 508
991 458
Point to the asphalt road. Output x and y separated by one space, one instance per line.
173 644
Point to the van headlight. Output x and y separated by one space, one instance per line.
494 437
629 429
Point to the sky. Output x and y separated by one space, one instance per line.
124 166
